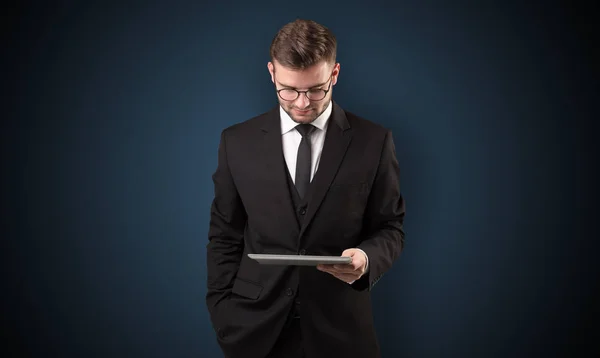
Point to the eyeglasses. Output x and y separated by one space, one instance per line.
317 94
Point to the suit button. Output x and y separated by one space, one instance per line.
303 211
289 292
302 252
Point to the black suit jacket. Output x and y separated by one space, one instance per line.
355 202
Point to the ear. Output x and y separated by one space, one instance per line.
335 73
271 70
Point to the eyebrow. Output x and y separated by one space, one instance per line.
317 85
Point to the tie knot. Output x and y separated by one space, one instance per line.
305 129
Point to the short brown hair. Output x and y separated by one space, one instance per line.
303 43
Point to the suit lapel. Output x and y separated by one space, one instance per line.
337 139
275 164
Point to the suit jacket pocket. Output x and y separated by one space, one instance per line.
233 321
246 289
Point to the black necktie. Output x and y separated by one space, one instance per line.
304 159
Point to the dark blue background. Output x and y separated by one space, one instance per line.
114 115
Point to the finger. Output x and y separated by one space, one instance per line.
358 258
356 265
338 271
350 270
329 270
324 267
346 268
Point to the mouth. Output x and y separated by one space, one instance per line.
302 111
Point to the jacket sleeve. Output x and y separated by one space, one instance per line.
226 232
384 218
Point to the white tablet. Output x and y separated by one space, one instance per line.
299 260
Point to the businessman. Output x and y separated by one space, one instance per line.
305 178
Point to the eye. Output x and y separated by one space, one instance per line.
288 94
316 94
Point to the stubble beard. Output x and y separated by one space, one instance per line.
304 120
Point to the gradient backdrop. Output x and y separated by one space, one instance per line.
114 115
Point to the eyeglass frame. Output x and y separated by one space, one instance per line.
304 92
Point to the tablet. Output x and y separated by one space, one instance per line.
299 260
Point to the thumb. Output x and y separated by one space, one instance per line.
352 253
349 252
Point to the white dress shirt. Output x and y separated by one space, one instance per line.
291 138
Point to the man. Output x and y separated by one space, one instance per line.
305 178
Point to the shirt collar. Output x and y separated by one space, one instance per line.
287 123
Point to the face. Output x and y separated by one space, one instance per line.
320 76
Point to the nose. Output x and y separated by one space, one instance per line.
302 101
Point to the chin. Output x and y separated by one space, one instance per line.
304 120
